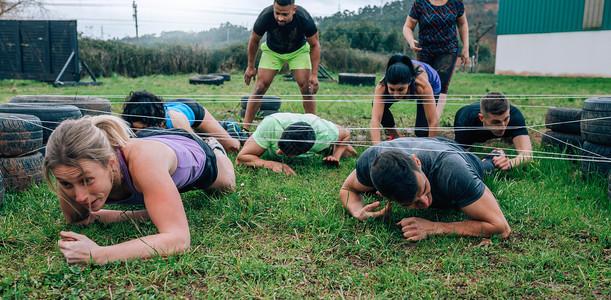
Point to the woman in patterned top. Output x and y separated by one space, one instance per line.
437 44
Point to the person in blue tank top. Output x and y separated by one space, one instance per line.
406 79
94 161
144 109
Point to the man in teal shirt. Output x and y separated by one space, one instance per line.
285 136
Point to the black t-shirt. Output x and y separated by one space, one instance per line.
467 117
454 173
288 38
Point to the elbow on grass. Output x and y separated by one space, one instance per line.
503 230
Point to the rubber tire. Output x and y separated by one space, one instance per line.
19 134
206 79
596 131
562 115
357 79
21 172
50 116
2 190
609 188
571 141
89 105
260 114
590 168
269 102
226 76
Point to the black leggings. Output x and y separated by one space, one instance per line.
444 65
210 172
197 109
422 124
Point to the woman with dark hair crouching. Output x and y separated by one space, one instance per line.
144 109
405 79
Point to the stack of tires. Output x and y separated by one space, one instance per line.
211 79
269 105
20 160
88 105
50 116
564 129
596 130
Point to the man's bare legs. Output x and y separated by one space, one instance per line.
302 76
264 80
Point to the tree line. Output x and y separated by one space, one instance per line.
352 41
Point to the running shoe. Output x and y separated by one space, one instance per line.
235 131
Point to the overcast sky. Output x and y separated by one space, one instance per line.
114 18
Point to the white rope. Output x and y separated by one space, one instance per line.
368 143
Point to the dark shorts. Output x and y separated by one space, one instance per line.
197 109
444 65
211 171
388 121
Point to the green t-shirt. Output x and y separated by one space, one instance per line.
268 133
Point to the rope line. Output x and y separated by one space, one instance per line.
562 156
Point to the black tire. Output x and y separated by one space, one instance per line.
609 188
587 117
269 102
592 129
597 104
2 190
206 79
19 134
562 119
357 79
226 76
563 141
21 172
260 114
89 105
50 116
600 167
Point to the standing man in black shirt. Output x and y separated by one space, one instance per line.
422 173
496 118
292 37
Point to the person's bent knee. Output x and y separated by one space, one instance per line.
233 146
261 88
225 181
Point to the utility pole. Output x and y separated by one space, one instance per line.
381 6
136 20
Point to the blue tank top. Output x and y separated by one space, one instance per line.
181 108
432 74
191 161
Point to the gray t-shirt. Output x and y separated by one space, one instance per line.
454 173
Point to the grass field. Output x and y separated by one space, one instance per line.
289 237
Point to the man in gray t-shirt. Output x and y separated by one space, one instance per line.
422 173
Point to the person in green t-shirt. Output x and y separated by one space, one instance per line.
284 136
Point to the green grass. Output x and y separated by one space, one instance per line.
289 237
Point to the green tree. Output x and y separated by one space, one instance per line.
13 9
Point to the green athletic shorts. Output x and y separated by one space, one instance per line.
297 60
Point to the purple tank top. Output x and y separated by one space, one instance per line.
191 162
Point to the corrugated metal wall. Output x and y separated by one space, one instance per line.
544 16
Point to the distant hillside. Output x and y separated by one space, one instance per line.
214 38
391 17
370 28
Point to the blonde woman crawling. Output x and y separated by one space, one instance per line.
96 161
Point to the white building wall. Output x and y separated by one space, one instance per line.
583 53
